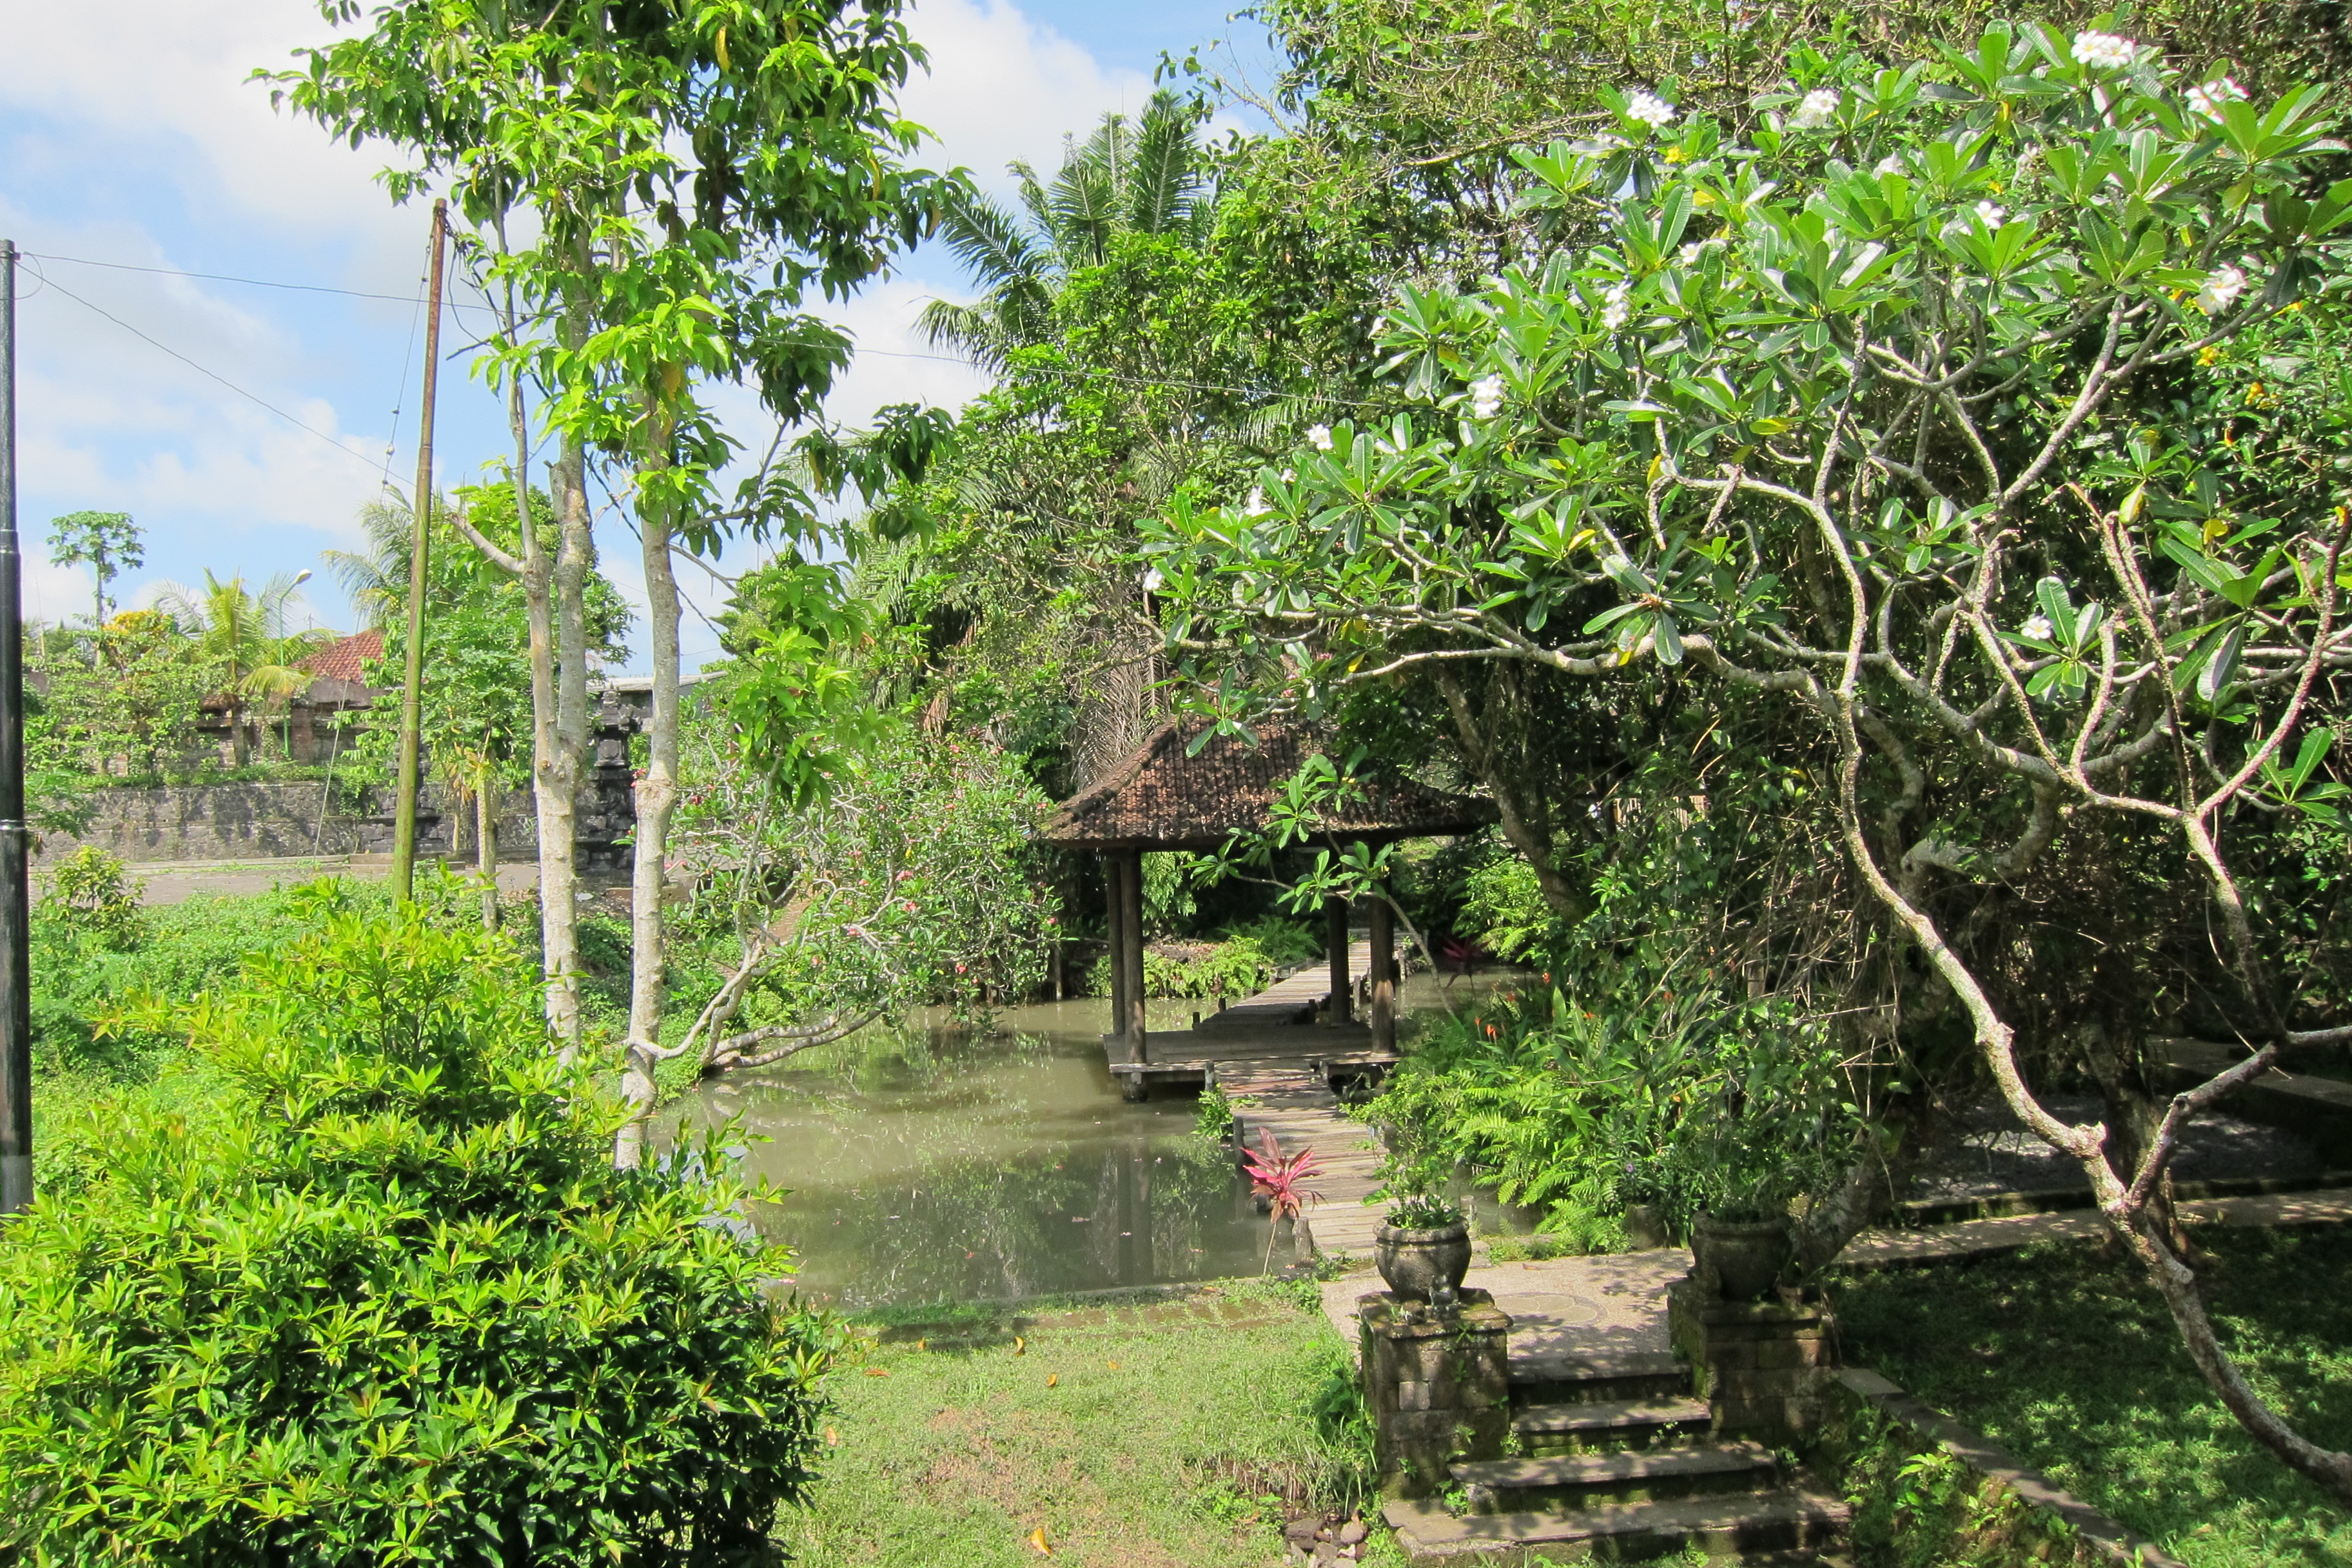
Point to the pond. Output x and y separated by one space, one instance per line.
931 1163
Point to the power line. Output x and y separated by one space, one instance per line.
215 375
250 282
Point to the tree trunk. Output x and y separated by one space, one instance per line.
560 757
1474 729
657 799
486 845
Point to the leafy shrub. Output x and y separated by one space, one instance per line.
1282 941
390 1300
1696 1103
1232 970
91 892
1503 906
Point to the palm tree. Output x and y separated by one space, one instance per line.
377 578
246 638
1141 176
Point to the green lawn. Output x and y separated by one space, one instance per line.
2066 1358
1147 1436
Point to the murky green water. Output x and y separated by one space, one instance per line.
932 1164
940 1166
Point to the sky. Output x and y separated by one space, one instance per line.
244 425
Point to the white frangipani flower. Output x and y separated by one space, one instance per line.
2206 101
2221 289
1890 164
1486 397
2105 52
1819 108
1152 582
1647 107
1615 311
1319 438
1991 215
1255 506
2039 628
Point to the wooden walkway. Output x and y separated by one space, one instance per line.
1285 1073
1292 1101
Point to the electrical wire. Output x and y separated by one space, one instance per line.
215 375
416 299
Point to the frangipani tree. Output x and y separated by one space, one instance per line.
1853 420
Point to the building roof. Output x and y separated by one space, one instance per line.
1159 798
346 658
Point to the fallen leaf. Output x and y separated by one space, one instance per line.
1114 1366
1052 1378
1020 1345
920 1343
1038 1540
832 1439
878 1371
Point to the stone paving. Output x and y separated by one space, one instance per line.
1616 1303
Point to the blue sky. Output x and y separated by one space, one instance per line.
129 135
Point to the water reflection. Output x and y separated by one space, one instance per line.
929 1164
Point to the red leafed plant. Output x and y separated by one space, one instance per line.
1276 1176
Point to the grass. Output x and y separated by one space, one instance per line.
2066 1358
1140 1432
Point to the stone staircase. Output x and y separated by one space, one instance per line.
1615 1464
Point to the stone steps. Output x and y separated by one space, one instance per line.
1587 1425
1583 1482
1784 1519
1568 1377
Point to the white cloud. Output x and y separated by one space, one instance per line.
1002 87
147 74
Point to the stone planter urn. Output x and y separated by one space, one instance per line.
1645 1228
1424 1265
1744 1256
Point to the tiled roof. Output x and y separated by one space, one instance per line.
1159 798
345 659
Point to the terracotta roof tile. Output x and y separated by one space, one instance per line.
345 659
1159 798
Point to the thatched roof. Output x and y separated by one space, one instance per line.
1159 798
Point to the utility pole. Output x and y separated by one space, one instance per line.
15 914
420 557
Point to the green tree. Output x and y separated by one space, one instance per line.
143 701
691 171
248 641
1836 423
107 540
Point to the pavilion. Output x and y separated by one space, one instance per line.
1165 796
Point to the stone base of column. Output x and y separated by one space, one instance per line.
1761 1365
1439 1386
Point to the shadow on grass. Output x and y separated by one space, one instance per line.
2066 1356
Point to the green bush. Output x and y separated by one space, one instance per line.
384 1298
1232 970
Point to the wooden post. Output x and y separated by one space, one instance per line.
1384 975
1130 956
1335 936
1114 925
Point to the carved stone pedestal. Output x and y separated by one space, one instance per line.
1439 1385
1761 1365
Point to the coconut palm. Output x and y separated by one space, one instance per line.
1145 175
247 640
376 579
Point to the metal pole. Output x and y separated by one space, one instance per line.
420 558
16 916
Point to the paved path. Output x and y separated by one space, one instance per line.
1617 1301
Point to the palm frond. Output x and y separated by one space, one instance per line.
1167 171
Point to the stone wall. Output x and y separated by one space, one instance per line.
272 821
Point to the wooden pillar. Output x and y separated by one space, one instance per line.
1335 937
1115 927
1131 953
1384 976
